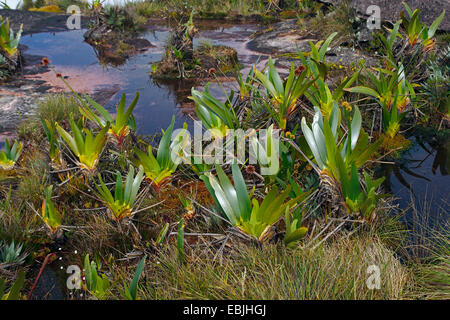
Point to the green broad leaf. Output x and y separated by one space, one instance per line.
367 153
229 191
311 143
120 112
434 26
128 186
266 83
7 149
100 140
408 9
14 292
325 45
355 127
125 118
320 141
393 35
265 204
100 109
364 90
276 208
149 162
275 77
136 185
180 240
77 135
206 180
355 187
162 234
68 139
295 235
331 147
88 273
134 283
241 191
334 119
222 199
103 191
163 154
342 175
290 80
119 192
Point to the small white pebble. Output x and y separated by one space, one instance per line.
76 251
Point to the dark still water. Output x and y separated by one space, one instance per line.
421 177
159 101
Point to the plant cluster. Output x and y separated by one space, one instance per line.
104 178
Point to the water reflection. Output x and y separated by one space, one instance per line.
421 173
158 100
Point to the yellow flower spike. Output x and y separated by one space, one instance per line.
347 106
289 135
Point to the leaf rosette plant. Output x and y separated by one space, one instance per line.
158 170
243 210
120 126
10 155
87 147
120 205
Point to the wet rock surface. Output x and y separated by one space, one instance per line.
20 97
115 47
34 22
284 39
18 100
391 9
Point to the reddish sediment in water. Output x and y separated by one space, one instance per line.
80 79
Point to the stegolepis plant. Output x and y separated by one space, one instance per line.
9 42
339 161
243 210
50 131
10 155
160 168
392 91
97 285
284 94
417 31
50 214
120 205
124 120
214 115
84 144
